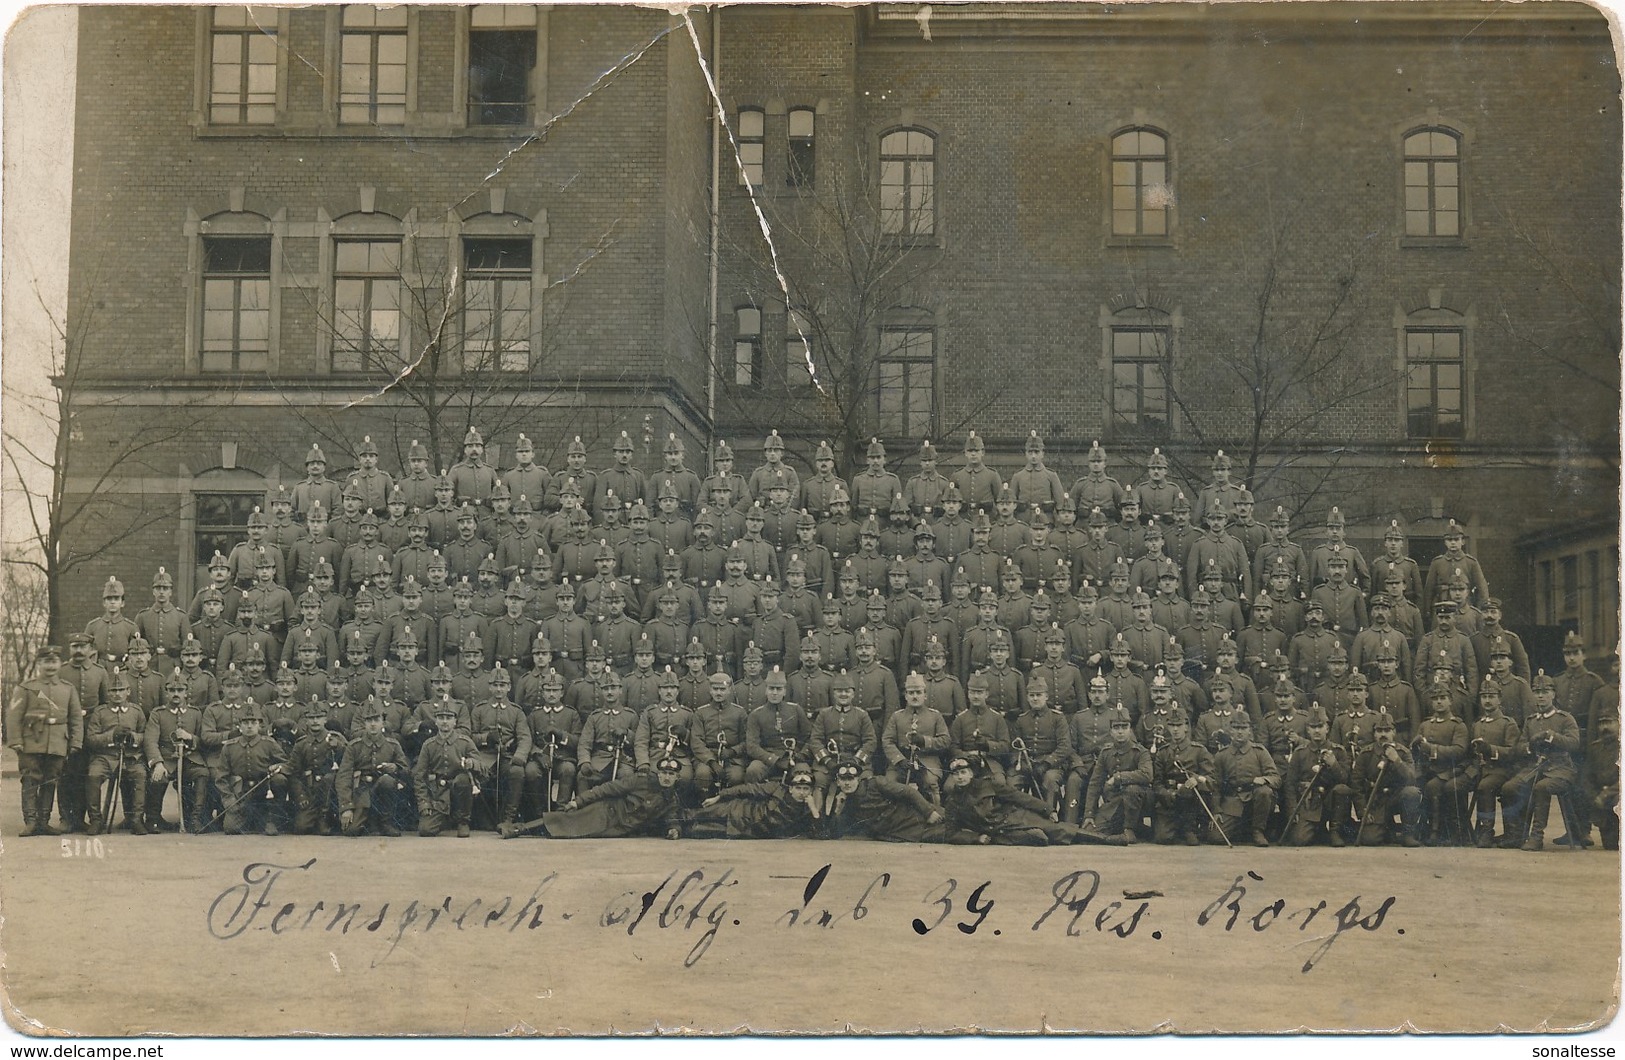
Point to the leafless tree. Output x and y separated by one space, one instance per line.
1578 339
1277 360
853 283
25 615
457 353
70 522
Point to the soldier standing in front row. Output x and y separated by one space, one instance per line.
43 725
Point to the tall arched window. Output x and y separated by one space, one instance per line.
908 183
1141 189
1433 183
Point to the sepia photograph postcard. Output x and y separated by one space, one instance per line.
594 520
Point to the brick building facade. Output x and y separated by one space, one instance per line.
1067 218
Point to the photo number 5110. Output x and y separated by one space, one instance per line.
75 847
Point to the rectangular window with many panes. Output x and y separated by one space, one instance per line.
236 304
366 305
1435 384
242 65
496 305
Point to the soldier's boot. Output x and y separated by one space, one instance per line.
1409 831
1431 833
1484 833
358 822
1540 804
93 807
42 815
30 811
135 824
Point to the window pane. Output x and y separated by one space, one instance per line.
1416 198
1125 222
255 329
391 84
1418 144
1416 174
353 257
356 48
488 255
1153 173
499 70
392 49
250 254
348 295
386 328
1445 199
1155 222
1444 174
750 123
749 321
262 49
801 123
355 81
1445 224
255 294
217 327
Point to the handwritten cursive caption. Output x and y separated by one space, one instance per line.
696 903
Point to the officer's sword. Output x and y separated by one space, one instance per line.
552 748
1376 786
111 800
1308 788
1529 799
180 780
1196 790
237 800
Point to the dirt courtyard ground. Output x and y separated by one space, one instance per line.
255 936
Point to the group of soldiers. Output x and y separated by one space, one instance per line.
959 657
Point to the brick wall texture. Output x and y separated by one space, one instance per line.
1285 138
